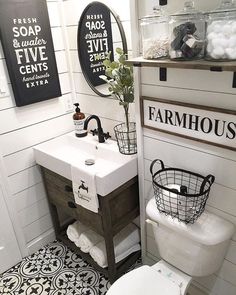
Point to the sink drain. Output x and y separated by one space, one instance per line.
89 162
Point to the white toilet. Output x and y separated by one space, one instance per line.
187 250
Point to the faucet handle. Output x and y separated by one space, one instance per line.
94 132
107 135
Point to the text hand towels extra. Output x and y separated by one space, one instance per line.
125 243
87 240
75 230
84 186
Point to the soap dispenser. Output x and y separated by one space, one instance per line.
79 119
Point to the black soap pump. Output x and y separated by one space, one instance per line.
79 119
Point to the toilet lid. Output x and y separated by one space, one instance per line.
144 280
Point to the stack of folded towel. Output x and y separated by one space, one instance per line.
125 242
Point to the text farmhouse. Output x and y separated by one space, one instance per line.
193 122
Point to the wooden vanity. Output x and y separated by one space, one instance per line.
116 210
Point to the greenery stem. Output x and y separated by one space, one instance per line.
126 108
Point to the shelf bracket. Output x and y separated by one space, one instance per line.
163 2
234 80
216 69
163 74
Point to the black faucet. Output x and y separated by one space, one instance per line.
101 135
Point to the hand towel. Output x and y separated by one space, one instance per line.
75 230
87 240
84 186
124 243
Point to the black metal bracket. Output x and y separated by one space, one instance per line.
163 74
137 64
234 80
216 69
163 2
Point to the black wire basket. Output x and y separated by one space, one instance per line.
126 138
180 193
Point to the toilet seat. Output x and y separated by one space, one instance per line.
144 280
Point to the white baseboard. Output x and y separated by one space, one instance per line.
41 241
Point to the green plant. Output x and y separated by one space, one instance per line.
119 77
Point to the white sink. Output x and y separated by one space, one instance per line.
112 168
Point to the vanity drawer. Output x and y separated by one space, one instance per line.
68 205
59 182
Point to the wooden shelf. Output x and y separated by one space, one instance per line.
216 66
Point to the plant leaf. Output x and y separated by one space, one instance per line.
119 51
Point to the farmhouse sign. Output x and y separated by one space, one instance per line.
205 124
95 41
28 49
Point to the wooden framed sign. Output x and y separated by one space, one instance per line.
28 49
205 124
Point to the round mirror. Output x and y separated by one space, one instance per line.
100 32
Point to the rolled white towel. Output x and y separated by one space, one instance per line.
124 243
75 230
87 240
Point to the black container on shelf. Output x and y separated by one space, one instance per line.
180 193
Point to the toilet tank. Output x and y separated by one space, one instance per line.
197 249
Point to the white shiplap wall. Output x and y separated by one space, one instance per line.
199 87
109 110
23 128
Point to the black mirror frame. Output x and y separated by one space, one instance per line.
123 40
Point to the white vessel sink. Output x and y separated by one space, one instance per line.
112 168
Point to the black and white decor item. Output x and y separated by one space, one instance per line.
95 41
28 48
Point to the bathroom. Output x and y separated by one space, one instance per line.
26 225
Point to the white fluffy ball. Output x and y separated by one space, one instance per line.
218 52
218 42
232 41
233 27
217 28
231 53
227 30
212 36
210 28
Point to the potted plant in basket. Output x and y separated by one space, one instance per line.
119 77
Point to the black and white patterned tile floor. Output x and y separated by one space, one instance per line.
53 270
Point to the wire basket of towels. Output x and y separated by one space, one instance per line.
180 193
